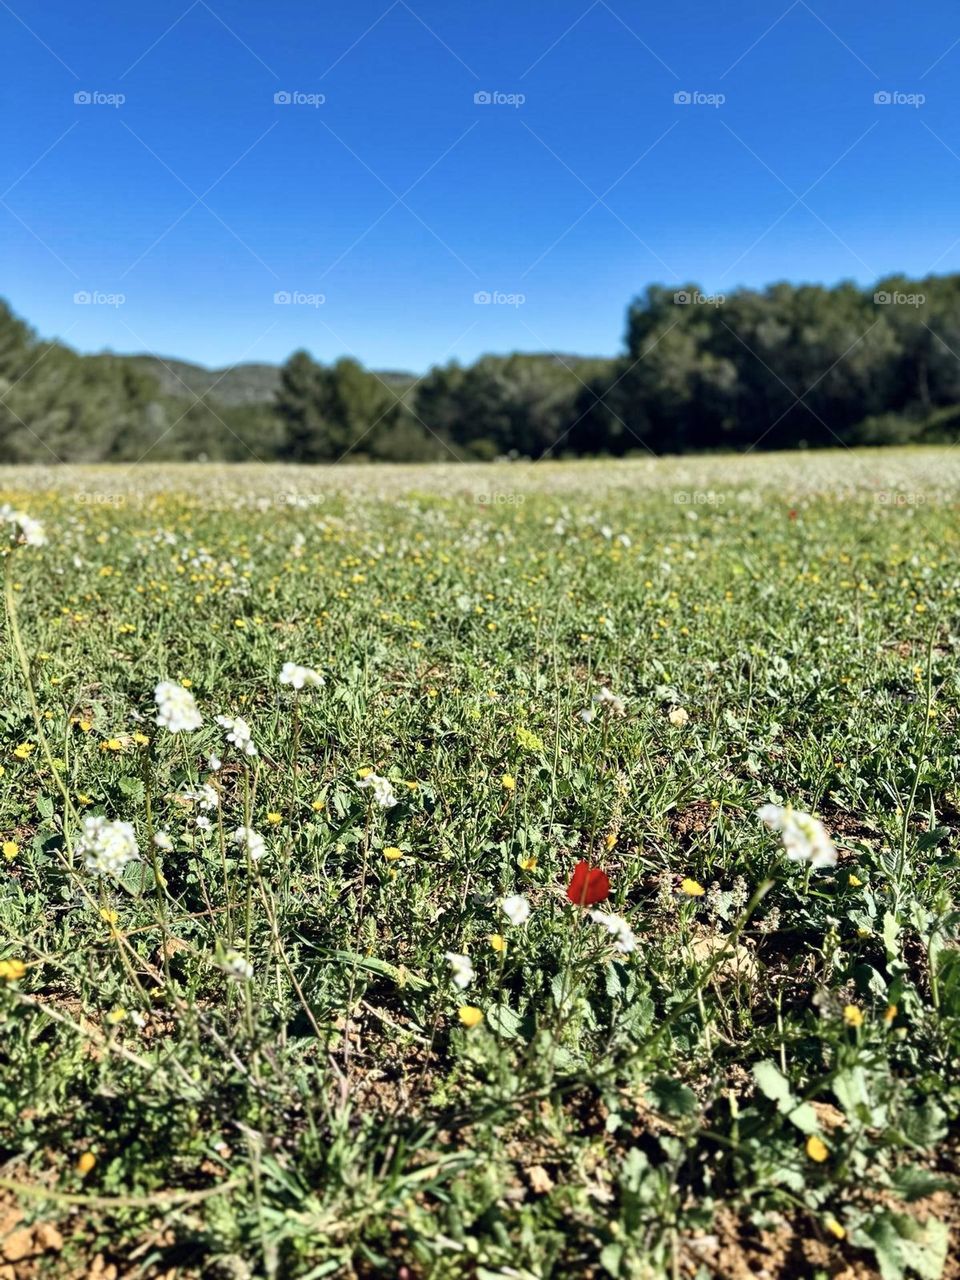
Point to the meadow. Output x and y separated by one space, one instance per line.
407 871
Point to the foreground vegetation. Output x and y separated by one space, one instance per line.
350 1011
785 367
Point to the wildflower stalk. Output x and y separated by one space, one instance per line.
921 755
24 664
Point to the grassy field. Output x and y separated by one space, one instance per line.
301 1033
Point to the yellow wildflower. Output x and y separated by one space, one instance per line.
817 1149
691 888
470 1015
498 942
12 970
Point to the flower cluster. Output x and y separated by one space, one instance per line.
22 530
382 789
252 842
804 837
239 733
623 936
606 701
176 708
107 847
300 677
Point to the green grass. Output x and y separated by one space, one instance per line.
777 1060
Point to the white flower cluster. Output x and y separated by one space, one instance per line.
251 841
204 797
382 789
624 939
23 530
300 677
805 838
516 908
238 732
236 966
461 969
606 701
176 708
107 847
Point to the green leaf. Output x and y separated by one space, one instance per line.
504 1021
773 1084
673 1097
891 932
913 1183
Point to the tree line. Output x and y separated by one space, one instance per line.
785 367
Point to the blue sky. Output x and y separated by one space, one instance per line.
199 198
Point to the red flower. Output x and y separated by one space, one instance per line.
588 885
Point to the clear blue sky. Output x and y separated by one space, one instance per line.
400 197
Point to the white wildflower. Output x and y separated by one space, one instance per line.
238 732
251 841
516 908
678 717
623 936
804 837
235 966
23 530
213 762
204 797
300 677
382 788
587 715
162 841
461 969
607 699
176 708
106 846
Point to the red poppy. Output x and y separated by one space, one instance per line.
588 885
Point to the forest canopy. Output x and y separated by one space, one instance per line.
790 366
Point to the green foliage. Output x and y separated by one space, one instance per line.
778 1053
786 367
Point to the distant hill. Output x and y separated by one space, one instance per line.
245 384
240 384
